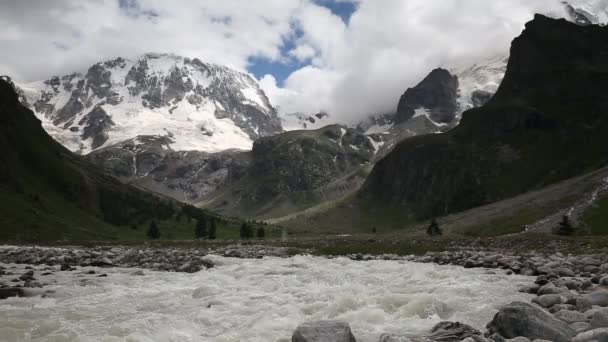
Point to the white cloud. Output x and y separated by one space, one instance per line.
354 70
390 45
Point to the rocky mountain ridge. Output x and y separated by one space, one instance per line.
193 105
534 131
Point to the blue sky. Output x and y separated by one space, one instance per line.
260 66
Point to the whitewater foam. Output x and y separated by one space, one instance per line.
256 300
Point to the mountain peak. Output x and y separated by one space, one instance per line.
196 105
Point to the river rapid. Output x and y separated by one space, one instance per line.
255 300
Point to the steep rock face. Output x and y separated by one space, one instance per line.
436 94
188 176
195 105
544 124
298 169
318 164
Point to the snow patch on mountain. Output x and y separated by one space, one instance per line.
194 105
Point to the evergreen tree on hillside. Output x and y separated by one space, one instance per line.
261 233
200 230
153 231
245 231
434 229
212 229
565 227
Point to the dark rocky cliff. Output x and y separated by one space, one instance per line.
546 123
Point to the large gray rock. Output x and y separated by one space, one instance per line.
599 298
598 335
323 331
599 319
523 319
548 300
452 332
11 292
570 316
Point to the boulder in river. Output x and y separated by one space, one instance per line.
523 319
452 332
11 292
323 331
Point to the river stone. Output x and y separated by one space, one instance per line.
570 316
580 326
583 304
11 292
519 339
394 338
452 331
599 335
566 272
599 319
547 300
603 281
599 298
323 331
551 289
523 319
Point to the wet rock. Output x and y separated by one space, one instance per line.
32 284
559 307
603 281
393 338
66 267
599 298
583 304
570 316
102 262
27 276
523 319
519 339
580 326
599 319
566 272
548 300
452 331
598 335
530 289
8 292
323 331
138 273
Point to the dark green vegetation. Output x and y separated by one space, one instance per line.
295 170
546 123
565 226
596 217
48 193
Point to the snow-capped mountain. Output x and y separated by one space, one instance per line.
194 105
587 12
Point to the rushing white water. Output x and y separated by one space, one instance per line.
256 300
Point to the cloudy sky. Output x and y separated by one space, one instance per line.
348 57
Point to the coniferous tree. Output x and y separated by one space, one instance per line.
153 231
433 229
565 227
212 230
261 233
200 230
243 232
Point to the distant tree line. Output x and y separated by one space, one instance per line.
248 230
